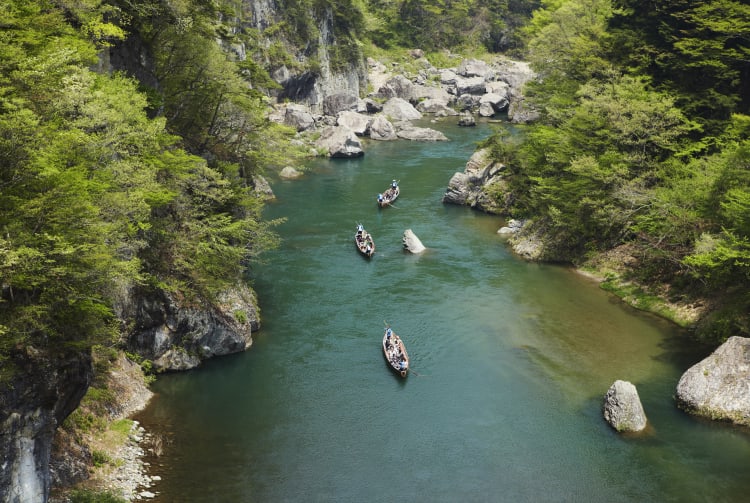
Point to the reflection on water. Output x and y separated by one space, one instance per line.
511 362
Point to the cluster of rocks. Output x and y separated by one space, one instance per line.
718 388
128 479
474 88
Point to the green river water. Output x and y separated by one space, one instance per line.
510 360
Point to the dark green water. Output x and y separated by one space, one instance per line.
510 365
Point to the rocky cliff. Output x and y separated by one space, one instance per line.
45 388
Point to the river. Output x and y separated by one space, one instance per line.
510 363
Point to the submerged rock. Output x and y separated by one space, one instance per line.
623 409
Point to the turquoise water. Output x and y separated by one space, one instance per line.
510 361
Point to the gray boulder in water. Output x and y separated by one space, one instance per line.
623 409
718 387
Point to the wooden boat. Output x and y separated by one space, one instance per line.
395 352
390 195
363 240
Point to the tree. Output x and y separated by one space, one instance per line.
697 50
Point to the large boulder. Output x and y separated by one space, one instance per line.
298 117
398 109
382 129
718 387
498 102
436 107
420 134
425 92
357 122
397 86
481 177
623 409
340 141
474 68
335 103
470 85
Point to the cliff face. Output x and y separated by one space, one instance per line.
45 389
177 334
303 84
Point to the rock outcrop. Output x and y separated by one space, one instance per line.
623 409
43 389
177 334
481 178
718 387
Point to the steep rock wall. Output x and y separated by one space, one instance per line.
44 390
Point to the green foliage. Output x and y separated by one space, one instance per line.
492 25
697 50
97 196
591 173
100 458
615 161
88 496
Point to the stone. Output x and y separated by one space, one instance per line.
382 129
340 141
357 122
412 244
718 387
623 409
420 134
398 109
335 103
467 120
298 117
289 173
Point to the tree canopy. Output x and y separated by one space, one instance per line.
98 193
642 144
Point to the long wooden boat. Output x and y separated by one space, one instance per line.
395 352
365 243
391 194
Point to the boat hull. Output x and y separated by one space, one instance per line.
395 353
389 196
364 242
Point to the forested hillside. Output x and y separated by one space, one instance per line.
642 150
98 191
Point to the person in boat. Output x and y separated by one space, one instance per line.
388 333
402 365
380 198
394 184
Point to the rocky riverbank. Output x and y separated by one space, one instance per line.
107 457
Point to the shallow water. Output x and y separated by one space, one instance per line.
510 363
